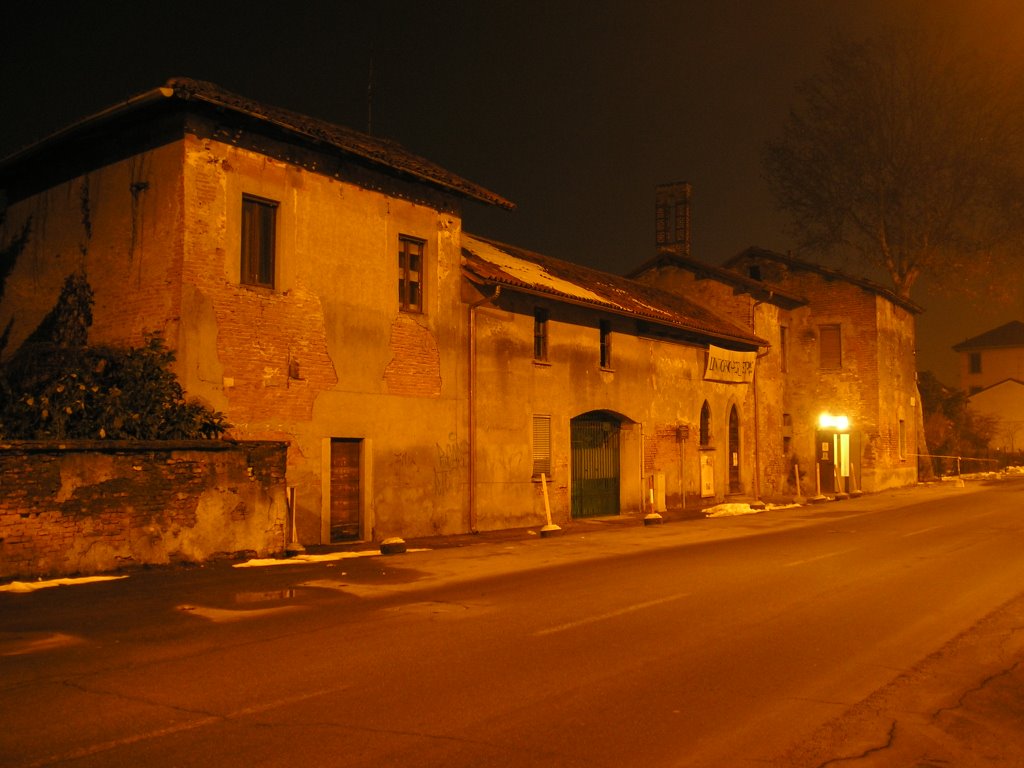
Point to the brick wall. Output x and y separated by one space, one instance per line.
91 506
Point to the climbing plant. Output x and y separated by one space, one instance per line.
58 386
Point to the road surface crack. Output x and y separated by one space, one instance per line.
891 737
138 699
976 689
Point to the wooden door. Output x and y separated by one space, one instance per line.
345 479
734 452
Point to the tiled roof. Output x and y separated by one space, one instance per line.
322 134
756 288
828 273
1009 335
490 262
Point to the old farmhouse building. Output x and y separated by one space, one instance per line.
318 288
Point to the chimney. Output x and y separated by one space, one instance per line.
672 217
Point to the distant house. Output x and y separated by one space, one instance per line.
836 388
992 357
992 374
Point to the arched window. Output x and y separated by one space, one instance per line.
705 425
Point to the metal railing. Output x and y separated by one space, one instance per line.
958 459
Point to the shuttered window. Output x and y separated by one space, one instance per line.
410 274
541 446
830 347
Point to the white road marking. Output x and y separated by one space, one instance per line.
816 559
191 725
609 615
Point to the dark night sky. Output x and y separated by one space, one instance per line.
573 110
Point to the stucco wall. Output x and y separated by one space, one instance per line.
1005 403
652 387
327 352
87 507
997 364
875 387
122 224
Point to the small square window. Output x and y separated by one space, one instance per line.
259 232
410 274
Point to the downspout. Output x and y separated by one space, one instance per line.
757 431
471 391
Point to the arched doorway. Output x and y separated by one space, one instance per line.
594 440
734 451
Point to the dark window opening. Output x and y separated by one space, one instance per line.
705 425
540 334
974 362
259 224
606 344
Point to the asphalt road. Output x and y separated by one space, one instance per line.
878 631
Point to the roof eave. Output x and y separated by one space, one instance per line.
104 116
751 341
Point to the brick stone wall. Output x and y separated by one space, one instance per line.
91 506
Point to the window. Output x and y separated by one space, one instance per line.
606 344
410 274
783 348
259 223
705 425
974 362
830 349
541 446
903 439
540 334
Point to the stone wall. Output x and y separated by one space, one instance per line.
81 507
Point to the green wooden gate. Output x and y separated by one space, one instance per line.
595 466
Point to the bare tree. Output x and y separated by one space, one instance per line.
907 153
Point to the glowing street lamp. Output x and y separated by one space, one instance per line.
828 421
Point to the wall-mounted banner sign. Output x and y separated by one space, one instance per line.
726 365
